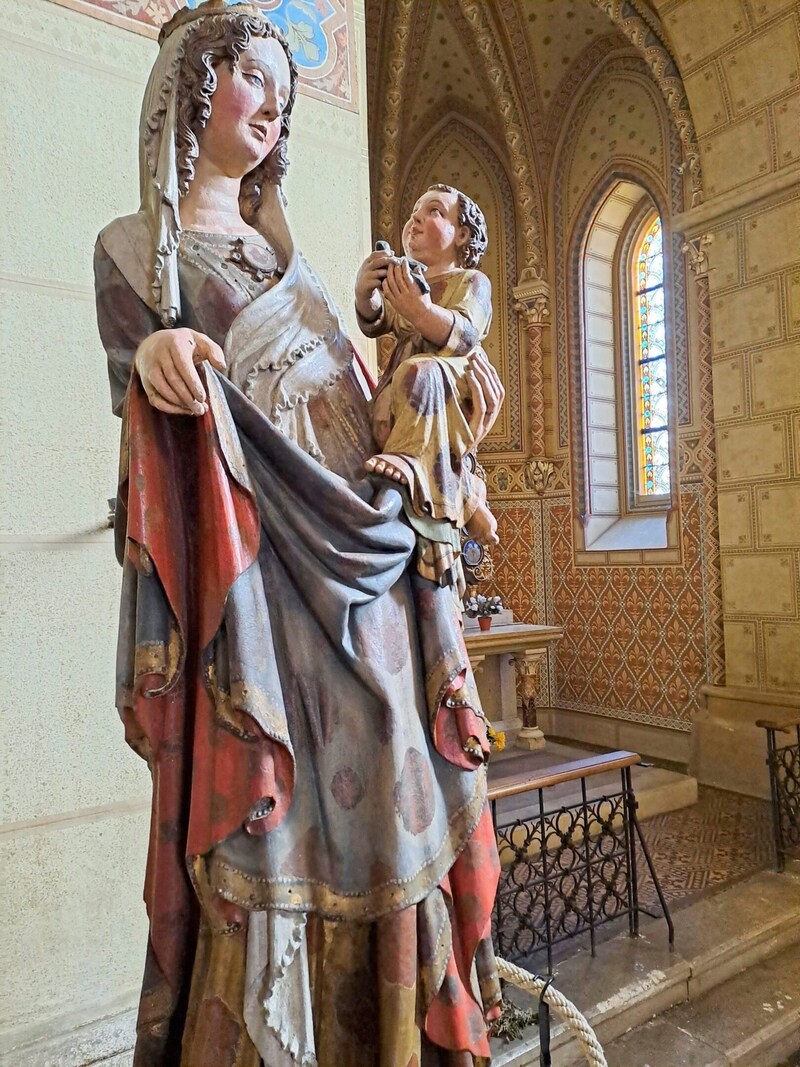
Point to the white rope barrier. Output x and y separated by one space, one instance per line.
559 1003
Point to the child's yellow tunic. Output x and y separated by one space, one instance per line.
423 400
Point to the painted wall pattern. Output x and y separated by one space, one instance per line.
756 357
641 634
635 636
319 32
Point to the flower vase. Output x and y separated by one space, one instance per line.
485 622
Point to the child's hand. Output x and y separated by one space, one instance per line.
487 395
403 293
482 527
370 278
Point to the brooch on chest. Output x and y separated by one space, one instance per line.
257 260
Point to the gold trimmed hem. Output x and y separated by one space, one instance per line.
306 895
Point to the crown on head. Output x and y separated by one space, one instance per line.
209 7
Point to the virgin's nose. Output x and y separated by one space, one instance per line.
271 108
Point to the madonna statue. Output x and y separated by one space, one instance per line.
322 864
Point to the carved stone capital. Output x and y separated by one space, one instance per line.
539 474
527 666
476 662
695 251
532 299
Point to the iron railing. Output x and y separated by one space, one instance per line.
783 762
567 869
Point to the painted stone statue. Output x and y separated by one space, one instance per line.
422 415
322 865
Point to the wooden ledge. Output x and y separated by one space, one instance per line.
517 637
784 727
563 772
751 696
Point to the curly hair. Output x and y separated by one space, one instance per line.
222 39
471 216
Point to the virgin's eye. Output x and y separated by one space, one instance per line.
256 79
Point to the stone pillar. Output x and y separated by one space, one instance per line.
528 666
695 251
531 299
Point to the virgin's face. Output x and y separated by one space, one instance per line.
244 125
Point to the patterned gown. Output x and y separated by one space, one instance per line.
322 865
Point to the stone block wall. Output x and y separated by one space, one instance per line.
75 801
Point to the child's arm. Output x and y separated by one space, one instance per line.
404 296
455 330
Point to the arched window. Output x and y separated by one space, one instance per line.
651 400
628 426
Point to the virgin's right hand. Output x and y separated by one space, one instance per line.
166 363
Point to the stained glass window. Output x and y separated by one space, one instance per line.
651 417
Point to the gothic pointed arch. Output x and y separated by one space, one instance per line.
474 18
651 157
398 34
644 35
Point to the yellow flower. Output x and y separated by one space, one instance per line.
497 738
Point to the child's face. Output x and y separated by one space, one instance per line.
432 234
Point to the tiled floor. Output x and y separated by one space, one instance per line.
720 839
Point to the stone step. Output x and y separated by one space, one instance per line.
752 1020
630 980
657 790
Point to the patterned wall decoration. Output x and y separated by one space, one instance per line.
619 119
474 23
645 35
320 35
519 525
635 637
432 78
640 637
742 72
591 59
518 568
757 396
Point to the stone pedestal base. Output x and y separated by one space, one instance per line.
531 738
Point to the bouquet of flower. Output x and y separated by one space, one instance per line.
481 607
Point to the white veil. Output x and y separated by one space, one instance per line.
158 162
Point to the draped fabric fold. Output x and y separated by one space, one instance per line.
245 559
320 875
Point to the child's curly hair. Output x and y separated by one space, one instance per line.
471 216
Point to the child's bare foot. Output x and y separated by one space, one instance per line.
390 467
483 526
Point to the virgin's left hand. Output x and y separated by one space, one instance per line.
487 395
403 293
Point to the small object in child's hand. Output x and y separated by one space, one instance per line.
417 269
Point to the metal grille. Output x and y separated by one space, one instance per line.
784 774
567 871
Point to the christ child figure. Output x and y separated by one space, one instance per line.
423 404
